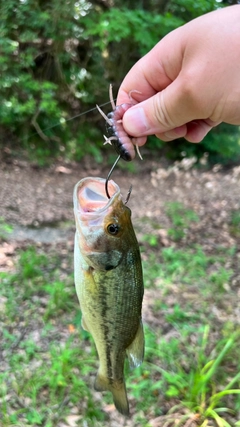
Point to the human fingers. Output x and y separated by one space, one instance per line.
169 109
154 72
186 78
164 93
141 140
194 131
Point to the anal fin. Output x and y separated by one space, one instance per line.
135 351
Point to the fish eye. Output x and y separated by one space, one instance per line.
113 229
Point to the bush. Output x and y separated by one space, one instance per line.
57 60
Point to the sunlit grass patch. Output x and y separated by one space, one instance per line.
235 223
5 228
204 388
47 361
181 218
47 358
189 266
191 360
45 385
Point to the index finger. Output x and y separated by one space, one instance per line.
152 73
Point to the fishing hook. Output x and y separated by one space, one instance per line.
128 194
109 174
108 177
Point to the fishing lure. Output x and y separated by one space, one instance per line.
116 135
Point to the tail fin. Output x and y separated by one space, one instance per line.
118 390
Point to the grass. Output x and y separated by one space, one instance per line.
4 228
181 219
235 223
195 387
192 267
45 366
191 371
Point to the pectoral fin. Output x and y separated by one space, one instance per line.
135 351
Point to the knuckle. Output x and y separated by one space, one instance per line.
161 113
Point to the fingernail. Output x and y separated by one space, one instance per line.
135 122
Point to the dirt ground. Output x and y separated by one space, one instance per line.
35 196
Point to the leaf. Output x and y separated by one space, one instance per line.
72 420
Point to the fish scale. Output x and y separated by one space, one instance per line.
109 283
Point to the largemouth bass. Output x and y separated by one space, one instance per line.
109 283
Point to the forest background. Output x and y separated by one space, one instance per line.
57 59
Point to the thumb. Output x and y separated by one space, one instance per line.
171 108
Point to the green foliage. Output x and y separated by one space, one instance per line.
181 219
59 299
31 264
43 375
4 228
49 360
41 81
150 239
189 266
200 384
220 278
178 315
109 27
222 144
188 8
235 223
57 60
235 218
194 387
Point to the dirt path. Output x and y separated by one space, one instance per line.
34 197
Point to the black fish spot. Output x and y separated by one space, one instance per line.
109 267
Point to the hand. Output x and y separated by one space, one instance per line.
189 82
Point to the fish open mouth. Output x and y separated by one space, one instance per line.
92 195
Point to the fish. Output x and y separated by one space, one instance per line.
109 283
